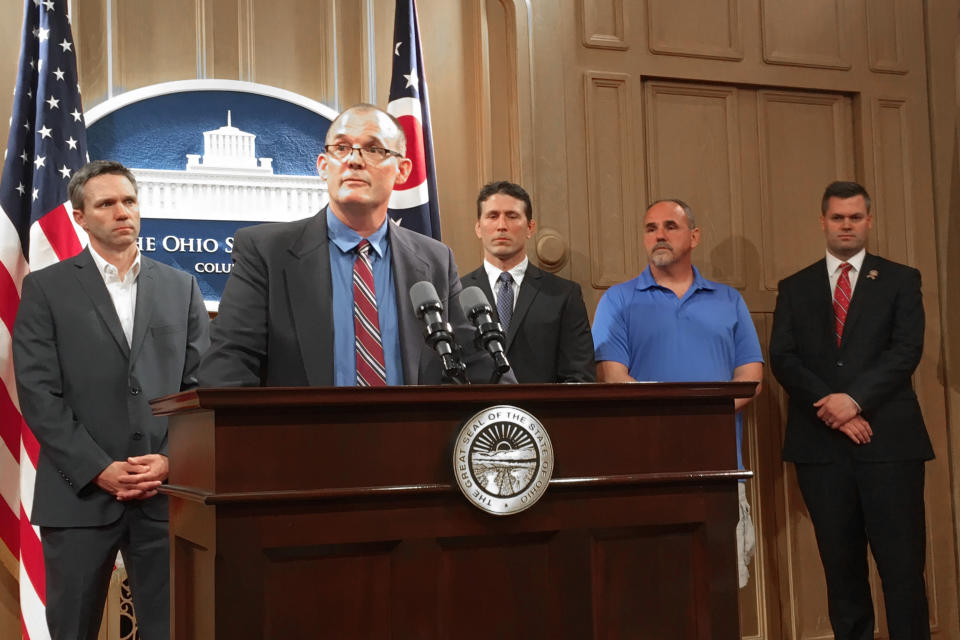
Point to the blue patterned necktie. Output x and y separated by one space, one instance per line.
505 299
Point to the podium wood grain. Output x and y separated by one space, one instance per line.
332 513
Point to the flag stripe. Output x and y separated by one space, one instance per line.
29 443
60 233
31 555
9 529
7 376
28 474
11 256
9 470
9 300
32 609
10 424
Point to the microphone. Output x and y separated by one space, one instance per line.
489 334
437 333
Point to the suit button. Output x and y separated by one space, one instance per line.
134 391
839 363
137 435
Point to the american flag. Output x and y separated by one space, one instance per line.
414 203
47 143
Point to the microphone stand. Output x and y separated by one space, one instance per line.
436 333
486 333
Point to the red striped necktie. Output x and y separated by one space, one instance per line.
841 299
371 370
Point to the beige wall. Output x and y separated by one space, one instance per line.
943 55
745 108
11 21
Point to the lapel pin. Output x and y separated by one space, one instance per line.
873 273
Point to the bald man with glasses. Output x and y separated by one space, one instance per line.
324 301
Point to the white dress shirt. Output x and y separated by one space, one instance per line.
493 274
833 269
123 292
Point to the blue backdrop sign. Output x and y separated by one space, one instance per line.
211 156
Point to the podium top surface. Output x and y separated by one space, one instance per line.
642 392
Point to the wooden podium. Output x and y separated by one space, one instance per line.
333 513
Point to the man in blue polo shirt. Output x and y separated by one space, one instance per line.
670 324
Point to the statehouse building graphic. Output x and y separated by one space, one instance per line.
228 182
211 156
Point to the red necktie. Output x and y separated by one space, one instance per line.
371 371
841 299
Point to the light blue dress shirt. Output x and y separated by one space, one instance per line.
343 242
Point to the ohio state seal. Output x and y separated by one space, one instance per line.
503 460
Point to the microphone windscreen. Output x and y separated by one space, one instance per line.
423 293
471 298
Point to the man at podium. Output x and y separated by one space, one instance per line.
324 301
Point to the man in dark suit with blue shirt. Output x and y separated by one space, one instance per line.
543 316
847 337
325 301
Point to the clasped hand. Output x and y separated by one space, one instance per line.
135 478
839 411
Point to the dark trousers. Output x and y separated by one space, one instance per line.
854 503
79 561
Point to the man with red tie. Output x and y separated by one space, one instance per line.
324 301
847 336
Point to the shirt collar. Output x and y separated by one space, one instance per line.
347 239
517 271
106 269
646 281
833 262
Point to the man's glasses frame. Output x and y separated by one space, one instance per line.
372 154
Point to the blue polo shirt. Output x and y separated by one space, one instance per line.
343 241
659 337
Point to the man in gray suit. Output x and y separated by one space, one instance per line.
97 336
324 301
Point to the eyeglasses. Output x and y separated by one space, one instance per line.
373 155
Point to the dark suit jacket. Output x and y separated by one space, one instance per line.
84 392
549 338
882 345
275 325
